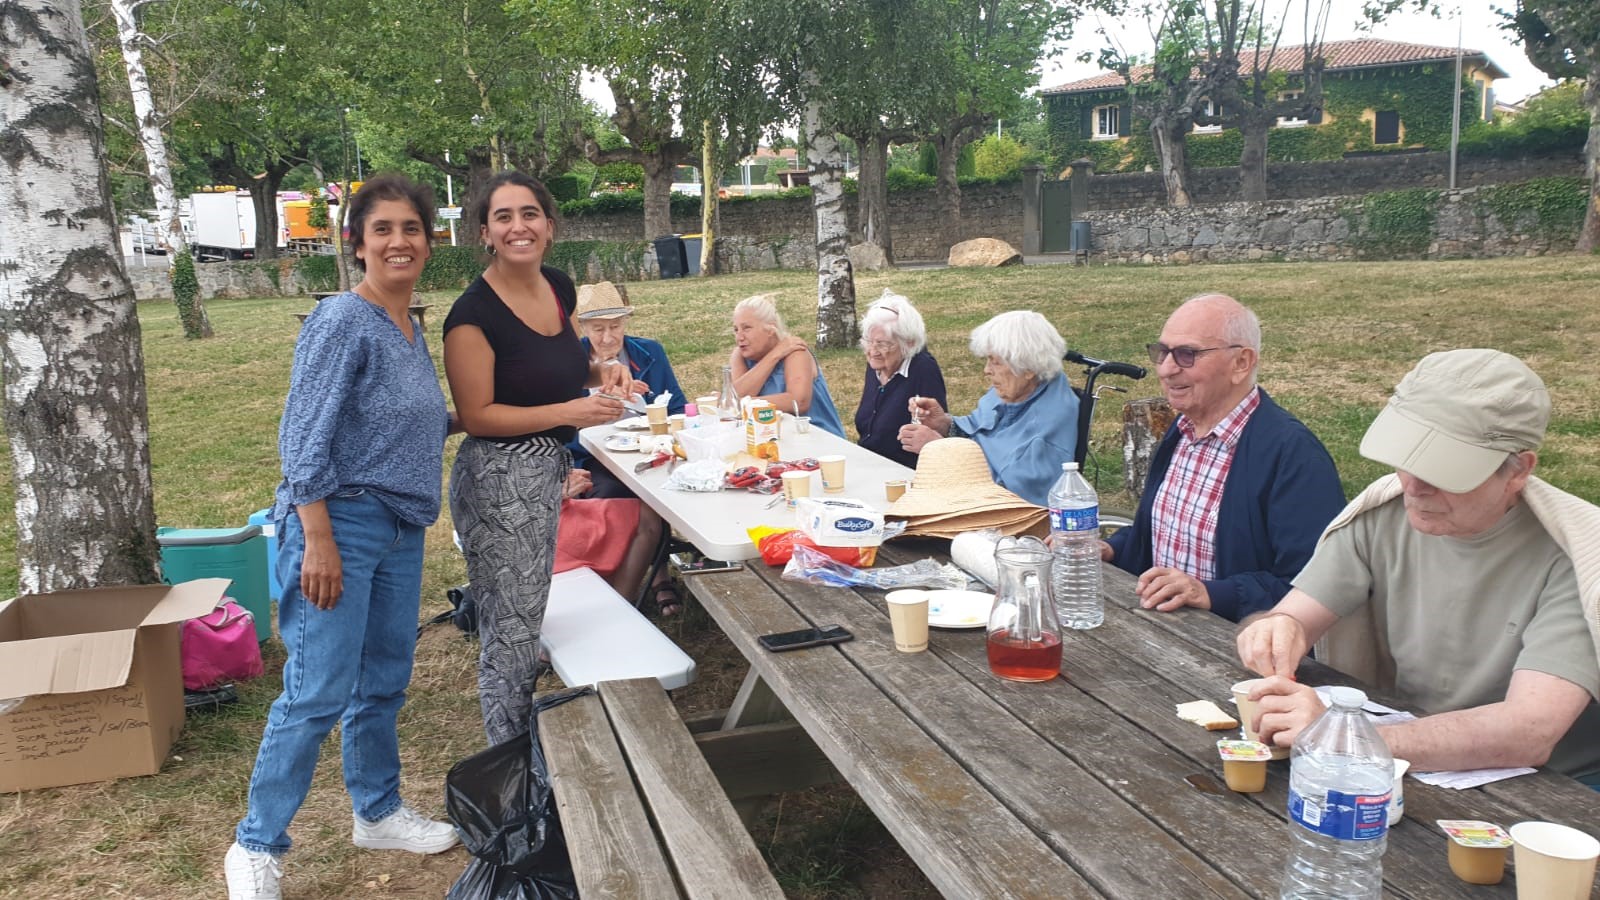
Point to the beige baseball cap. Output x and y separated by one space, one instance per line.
1455 417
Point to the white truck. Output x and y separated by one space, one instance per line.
224 225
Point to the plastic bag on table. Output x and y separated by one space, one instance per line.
502 805
702 476
812 566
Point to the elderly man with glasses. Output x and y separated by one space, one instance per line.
1238 489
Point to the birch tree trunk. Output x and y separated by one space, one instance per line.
709 180
191 312
836 286
69 337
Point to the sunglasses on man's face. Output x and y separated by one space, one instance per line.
1183 356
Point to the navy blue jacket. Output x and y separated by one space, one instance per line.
648 361
1281 491
886 407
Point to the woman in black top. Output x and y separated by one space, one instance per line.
899 367
517 373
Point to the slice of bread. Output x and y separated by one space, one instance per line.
1207 715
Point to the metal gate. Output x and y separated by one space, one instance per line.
1057 218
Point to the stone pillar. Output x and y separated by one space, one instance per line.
1032 210
1082 171
1144 423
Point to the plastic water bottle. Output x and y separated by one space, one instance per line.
1075 538
1340 777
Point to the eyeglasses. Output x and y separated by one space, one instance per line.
881 346
1183 356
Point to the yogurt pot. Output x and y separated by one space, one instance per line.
1244 765
1477 850
1397 799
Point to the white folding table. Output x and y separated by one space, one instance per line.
716 522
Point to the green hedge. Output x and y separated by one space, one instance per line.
450 268
1547 207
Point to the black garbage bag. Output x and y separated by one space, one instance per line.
501 803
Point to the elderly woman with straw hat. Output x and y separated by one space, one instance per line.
1027 422
602 313
770 363
899 367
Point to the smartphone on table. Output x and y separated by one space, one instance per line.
805 637
686 564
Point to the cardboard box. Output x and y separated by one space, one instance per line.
101 675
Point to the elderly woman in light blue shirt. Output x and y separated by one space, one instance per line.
1027 422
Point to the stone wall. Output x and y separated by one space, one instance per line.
1324 228
1361 175
246 278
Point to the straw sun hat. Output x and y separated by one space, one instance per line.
601 301
953 480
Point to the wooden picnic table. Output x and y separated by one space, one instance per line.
1084 786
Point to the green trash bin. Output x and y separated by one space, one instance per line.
238 554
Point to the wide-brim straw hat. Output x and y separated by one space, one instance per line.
953 477
601 301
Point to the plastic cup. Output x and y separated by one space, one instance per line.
691 410
796 484
802 424
676 423
1554 862
832 473
1247 714
893 490
908 617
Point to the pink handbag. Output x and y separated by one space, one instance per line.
220 646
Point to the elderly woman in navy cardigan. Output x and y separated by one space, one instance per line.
899 367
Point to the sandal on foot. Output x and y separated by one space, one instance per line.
668 603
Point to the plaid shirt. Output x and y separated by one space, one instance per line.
1184 515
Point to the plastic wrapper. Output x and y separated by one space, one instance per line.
504 808
812 566
973 551
777 547
703 476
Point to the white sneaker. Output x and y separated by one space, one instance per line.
404 829
251 875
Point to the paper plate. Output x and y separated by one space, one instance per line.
621 443
959 609
636 423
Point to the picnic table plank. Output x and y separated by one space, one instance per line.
710 848
1006 754
963 838
607 829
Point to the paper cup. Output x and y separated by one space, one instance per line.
893 490
832 473
796 484
657 417
1247 714
676 423
802 424
908 617
1554 862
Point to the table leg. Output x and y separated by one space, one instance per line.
755 704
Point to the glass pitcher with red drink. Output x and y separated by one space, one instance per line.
1024 639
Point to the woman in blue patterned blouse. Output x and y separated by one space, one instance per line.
362 442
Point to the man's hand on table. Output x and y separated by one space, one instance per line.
1273 644
1165 590
1283 710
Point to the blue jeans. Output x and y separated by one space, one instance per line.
350 664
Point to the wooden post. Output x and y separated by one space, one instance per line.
1144 423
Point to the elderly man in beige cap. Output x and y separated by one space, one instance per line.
1475 597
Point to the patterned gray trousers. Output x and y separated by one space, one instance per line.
506 504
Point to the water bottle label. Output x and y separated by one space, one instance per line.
1082 519
1347 817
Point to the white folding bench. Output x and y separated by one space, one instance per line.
592 635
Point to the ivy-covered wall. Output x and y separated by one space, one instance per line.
1420 93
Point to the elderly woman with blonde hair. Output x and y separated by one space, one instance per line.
772 364
899 367
1027 422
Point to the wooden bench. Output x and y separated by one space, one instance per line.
643 814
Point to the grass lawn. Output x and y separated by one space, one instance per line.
1337 338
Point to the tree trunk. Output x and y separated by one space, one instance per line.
196 324
74 376
872 193
658 168
947 190
341 261
836 286
264 197
709 178
1589 237
1253 159
1168 135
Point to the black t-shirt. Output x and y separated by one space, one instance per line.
530 369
